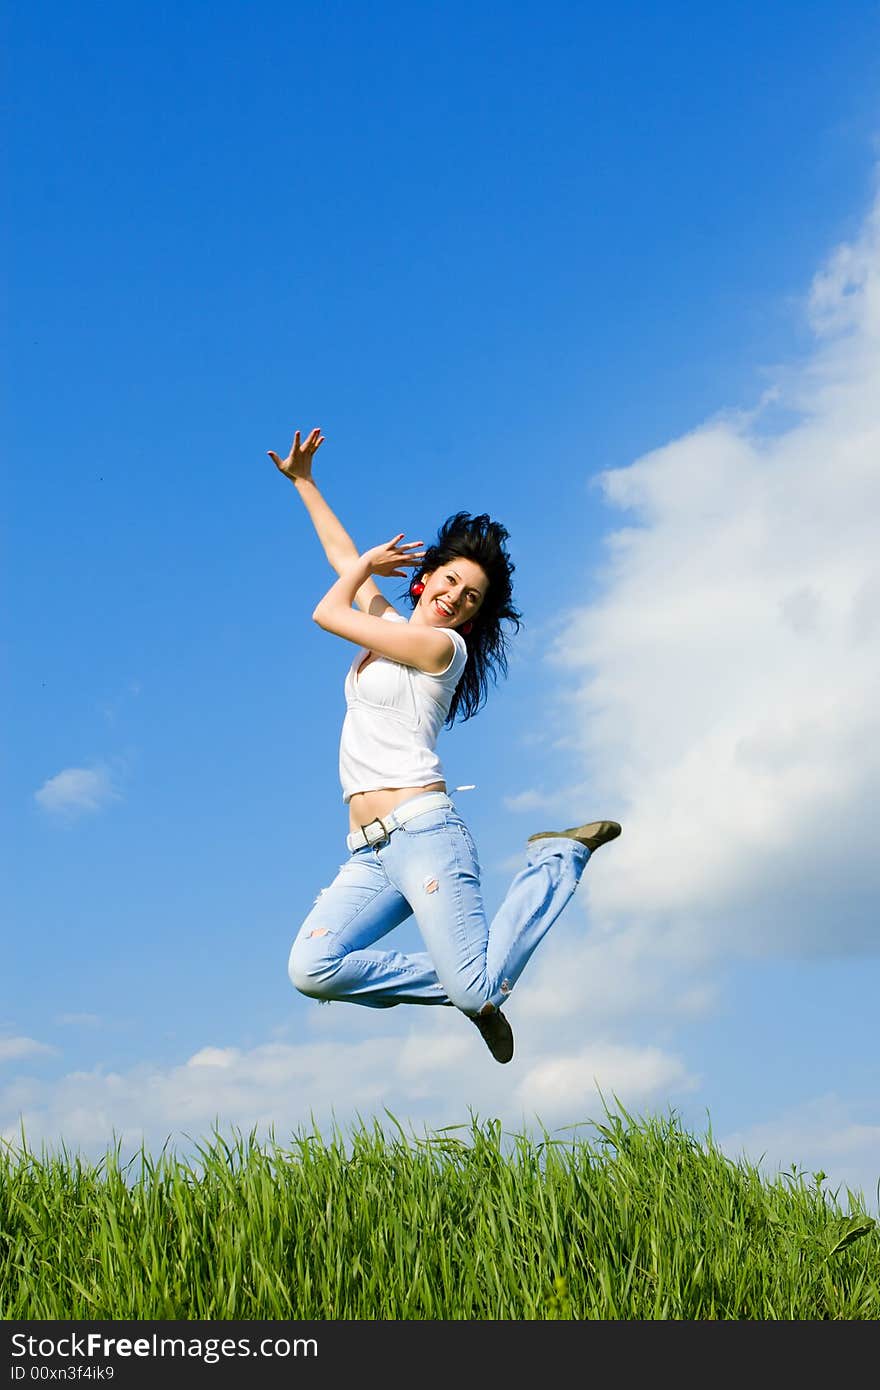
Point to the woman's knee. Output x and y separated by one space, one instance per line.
312 964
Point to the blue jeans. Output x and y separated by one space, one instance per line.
429 869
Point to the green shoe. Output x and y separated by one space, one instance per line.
597 833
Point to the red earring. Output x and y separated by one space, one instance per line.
417 588
466 627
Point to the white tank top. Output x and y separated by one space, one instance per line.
393 717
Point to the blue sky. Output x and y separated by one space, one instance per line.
609 273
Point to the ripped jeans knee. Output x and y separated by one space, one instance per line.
313 962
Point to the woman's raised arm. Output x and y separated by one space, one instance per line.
338 545
411 644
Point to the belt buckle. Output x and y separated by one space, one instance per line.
377 839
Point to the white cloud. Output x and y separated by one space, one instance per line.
582 980
728 673
558 1088
12 1049
77 790
224 1057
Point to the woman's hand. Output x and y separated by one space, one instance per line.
387 559
298 463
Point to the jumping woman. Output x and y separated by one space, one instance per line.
411 852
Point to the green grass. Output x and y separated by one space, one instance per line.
644 1221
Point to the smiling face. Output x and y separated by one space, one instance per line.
454 593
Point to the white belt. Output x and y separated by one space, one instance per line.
376 831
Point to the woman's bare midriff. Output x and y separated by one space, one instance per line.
368 806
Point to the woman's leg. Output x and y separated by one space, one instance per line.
531 905
432 862
432 865
331 959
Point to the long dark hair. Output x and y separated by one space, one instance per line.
482 540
